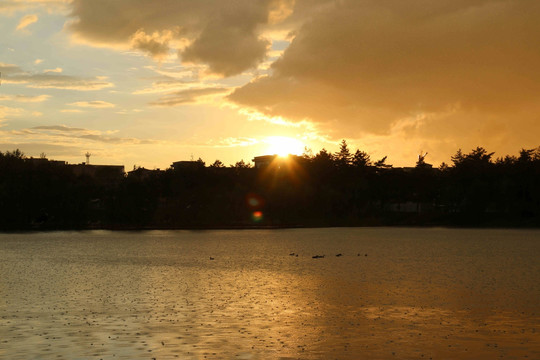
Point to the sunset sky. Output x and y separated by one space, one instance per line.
142 82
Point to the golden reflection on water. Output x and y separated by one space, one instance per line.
158 295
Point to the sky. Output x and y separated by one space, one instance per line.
147 83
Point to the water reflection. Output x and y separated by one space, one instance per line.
419 294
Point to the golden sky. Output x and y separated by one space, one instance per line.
151 82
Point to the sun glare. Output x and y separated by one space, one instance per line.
284 146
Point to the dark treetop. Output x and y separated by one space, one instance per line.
341 189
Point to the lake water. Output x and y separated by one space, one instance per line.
394 293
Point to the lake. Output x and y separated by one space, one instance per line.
403 293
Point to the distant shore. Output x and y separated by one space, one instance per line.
326 190
123 227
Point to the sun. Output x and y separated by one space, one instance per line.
283 146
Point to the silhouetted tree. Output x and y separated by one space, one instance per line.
200 162
217 164
317 190
421 162
508 160
526 155
15 154
323 158
241 165
443 167
343 157
382 163
307 154
361 159
476 157
473 184
536 155
458 157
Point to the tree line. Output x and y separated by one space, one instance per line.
345 188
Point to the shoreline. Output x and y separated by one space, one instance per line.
117 227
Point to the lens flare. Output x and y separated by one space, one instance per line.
254 201
257 216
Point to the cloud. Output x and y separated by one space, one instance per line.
118 140
155 44
232 142
26 21
279 11
7 69
227 36
54 81
12 74
59 128
71 111
9 7
178 72
63 131
24 98
38 61
188 96
164 85
56 70
229 44
39 147
97 104
361 67
6 111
